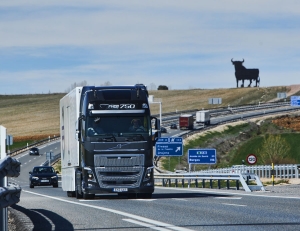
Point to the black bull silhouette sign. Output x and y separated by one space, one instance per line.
242 73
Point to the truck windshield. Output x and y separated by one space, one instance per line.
115 124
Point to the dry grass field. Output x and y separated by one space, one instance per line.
32 117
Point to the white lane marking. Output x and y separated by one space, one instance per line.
229 198
146 225
233 204
125 214
128 199
178 199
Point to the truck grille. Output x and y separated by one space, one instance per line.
119 170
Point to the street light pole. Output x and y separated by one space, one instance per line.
151 100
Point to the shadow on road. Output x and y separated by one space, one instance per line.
39 219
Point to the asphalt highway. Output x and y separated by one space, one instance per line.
47 208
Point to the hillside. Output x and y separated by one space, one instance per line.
28 117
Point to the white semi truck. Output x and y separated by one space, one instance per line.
203 117
99 153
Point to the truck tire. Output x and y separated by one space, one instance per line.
77 194
70 193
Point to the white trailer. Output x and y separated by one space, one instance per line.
69 113
203 117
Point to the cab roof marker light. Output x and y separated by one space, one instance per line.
145 105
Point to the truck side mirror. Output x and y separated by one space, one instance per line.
78 135
156 133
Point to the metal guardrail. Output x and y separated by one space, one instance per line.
9 193
263 171
53 161
20 150
193 178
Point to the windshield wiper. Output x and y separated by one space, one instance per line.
109 137
135 137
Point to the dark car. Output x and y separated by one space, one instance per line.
34 151
173 126
43 176
163 129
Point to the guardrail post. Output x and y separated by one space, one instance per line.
210 183
237 185
182 183
169 182
227 184
219 184
163 182
176 183
196 183
203 183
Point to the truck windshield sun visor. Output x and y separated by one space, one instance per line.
117 111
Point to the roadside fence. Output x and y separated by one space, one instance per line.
263 171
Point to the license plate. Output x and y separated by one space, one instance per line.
120 190
44 180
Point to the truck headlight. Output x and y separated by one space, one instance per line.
148 174
90 175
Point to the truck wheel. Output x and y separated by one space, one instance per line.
31 186
78 195
71 193
55 186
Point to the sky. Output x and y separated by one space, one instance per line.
48 46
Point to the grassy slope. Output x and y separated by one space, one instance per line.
38 114
27 116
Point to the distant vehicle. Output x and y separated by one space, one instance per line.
34 151
173 126
163 130
186 122
43 176
203 117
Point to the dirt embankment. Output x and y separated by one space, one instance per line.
288 122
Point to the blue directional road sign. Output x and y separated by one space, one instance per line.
169 146
295 100
202 156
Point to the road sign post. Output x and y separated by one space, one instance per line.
49 156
